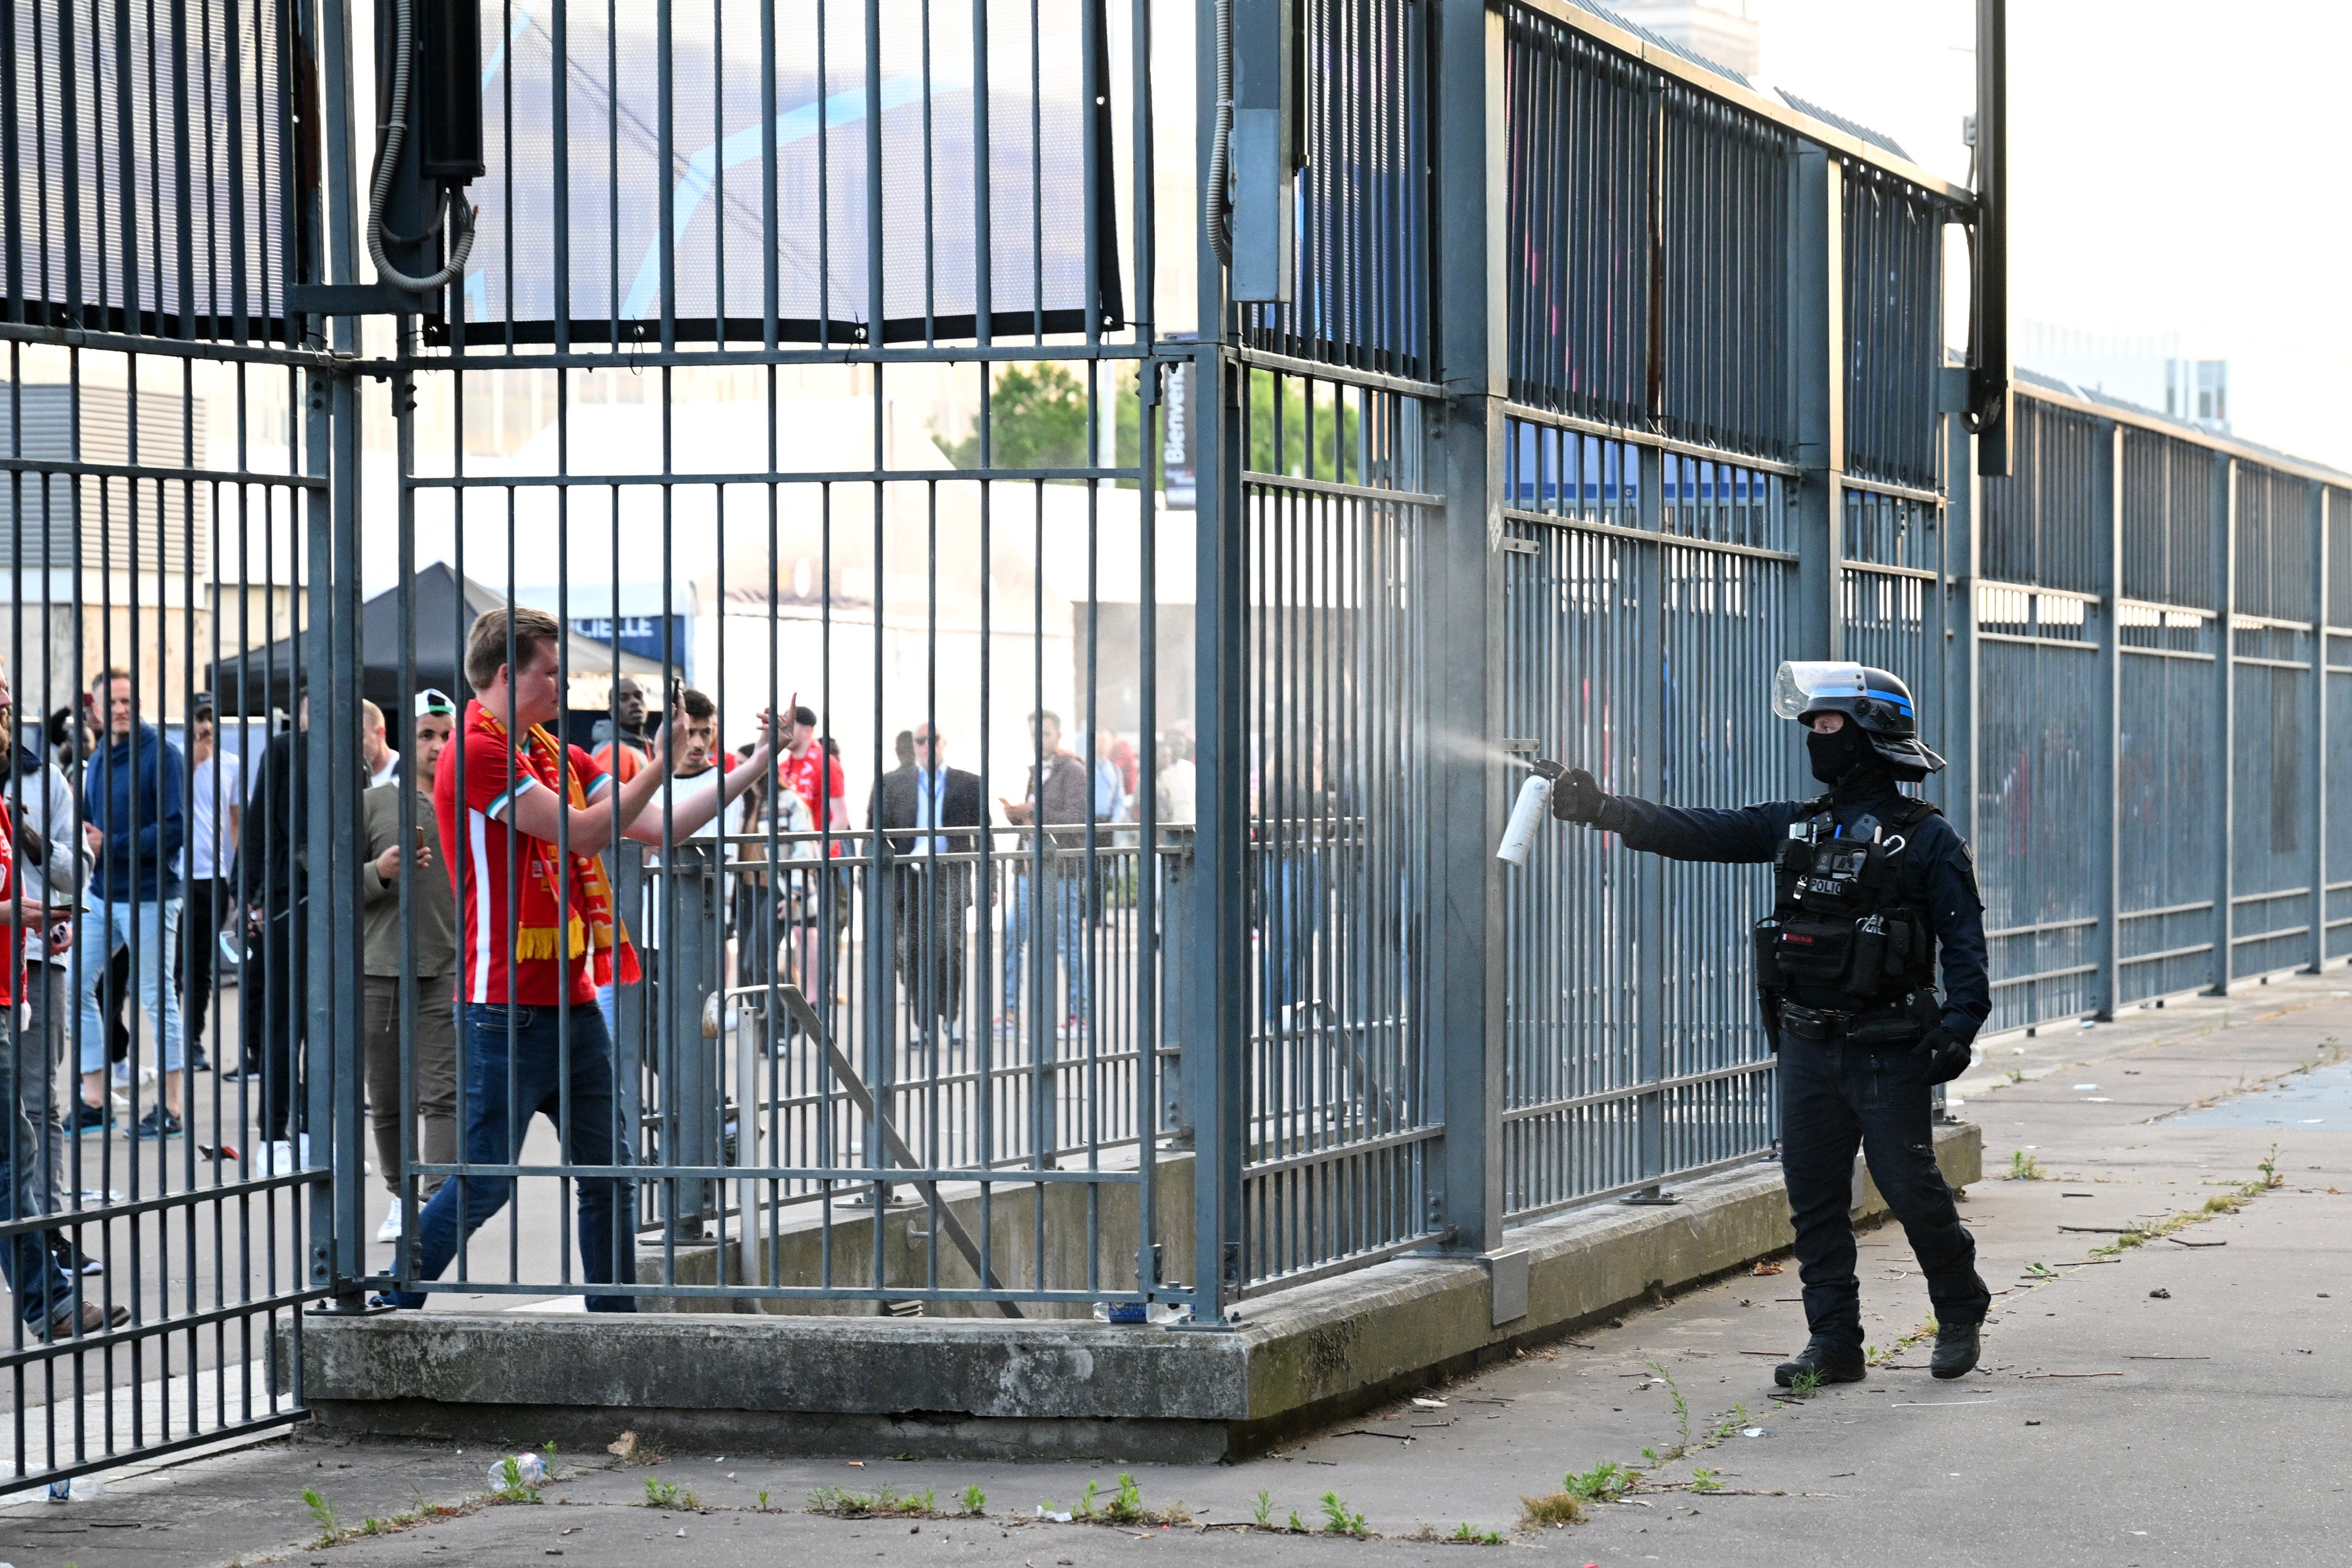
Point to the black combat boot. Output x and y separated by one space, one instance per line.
1958 1345
1828 1360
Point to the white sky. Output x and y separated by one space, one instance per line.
2177 169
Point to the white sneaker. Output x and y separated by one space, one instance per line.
390 1229
282 1159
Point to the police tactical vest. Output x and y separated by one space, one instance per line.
1840 921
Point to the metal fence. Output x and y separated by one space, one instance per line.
2154 614
164 505
826 354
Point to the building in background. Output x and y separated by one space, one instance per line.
1719 29
2149 370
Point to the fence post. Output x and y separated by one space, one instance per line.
1817 344
2107 704
1650 871
333 1098
2318 739
1962 509
2225 579
1216 967
1464 1020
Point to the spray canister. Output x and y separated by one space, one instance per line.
1533 808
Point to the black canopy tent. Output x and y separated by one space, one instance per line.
253 683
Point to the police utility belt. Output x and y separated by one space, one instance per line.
1841 923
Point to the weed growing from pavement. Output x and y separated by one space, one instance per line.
1806 1384
331 1529
1128 1503
975 1502
2212 1208
670 1494
513 1487
1552 1508
1263 1510
1873 1356
1338 1519
1707 1481
424 1512
888 1502
1462 1535
1681 1406
2026 1167
1605 1482
1297 1526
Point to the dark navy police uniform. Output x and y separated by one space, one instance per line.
1835 1095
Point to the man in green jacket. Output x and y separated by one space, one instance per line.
434 1031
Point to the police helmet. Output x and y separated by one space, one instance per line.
1873 699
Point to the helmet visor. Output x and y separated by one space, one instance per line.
1801 684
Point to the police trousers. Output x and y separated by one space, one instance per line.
1836 1098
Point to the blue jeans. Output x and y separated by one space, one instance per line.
107 926
1065 936
608 1223
43 1291
1290 926
1836 1097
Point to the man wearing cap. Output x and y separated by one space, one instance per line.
391 851
1875 896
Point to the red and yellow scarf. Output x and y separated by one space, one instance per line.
592 928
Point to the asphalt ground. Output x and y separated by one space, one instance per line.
2171 1402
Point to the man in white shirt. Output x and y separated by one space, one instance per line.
382 761
215 803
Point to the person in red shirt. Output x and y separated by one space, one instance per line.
814 769
524 819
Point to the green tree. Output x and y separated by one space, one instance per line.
1038 419
1336 456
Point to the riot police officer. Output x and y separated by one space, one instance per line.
1874 889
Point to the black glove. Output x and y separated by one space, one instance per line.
1947 1055
1577 797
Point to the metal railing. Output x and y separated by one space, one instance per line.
830 351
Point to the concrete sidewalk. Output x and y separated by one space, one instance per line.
2110 1425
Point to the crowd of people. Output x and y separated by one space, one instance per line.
133 868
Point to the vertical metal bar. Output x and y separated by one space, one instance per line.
2318 741
1962 512
2107 759
1817 319
334 1095
1464 689
1649 781
2224 568
1214 1057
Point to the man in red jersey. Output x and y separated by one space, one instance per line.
524 818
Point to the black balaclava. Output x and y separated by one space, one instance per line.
1838 754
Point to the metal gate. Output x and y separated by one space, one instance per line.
166 426
805 358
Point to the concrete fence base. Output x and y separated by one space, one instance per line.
973 1387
